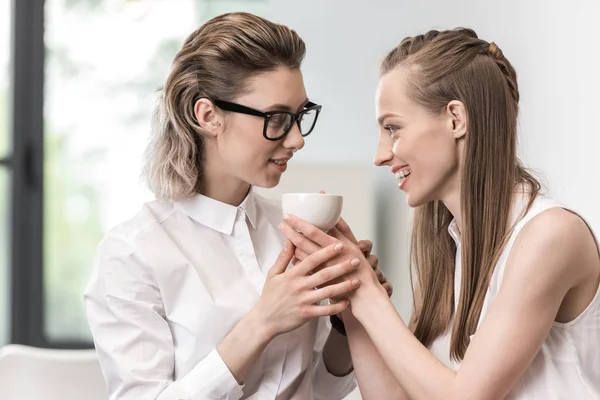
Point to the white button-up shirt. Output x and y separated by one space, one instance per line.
171 283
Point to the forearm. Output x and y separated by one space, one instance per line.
404 355
336 354
243 345
375 380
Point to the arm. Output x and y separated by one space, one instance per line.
337 359
538 275
134 342
329 383
336 352
374 377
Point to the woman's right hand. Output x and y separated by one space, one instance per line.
291 298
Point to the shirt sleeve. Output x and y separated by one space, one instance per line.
325 384
132 337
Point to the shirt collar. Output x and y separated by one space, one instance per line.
249 206
218 215
454 232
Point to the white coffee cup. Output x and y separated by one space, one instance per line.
321 210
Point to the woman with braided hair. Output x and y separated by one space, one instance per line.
506 286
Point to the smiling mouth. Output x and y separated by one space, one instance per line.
400 175
279 162
280 165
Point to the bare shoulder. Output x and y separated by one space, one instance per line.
557 223
558 244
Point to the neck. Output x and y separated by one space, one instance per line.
221 186
452 203
451 200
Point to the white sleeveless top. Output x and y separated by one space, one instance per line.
567 366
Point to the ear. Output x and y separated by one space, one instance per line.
208 117
457 118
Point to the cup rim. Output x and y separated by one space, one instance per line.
312 194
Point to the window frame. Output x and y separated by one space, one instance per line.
26 165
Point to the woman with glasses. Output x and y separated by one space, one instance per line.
192 298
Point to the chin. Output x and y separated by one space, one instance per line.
411 202
414 201
267 182
270 185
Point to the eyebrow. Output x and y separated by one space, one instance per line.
386 115
284 107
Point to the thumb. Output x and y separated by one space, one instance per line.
284 259
345 230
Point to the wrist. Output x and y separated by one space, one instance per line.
368 300
264 331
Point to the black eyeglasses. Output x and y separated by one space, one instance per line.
278 123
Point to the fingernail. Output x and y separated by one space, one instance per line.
286 217
354 282
339 246
355 262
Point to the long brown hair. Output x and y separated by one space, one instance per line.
216 62
457 65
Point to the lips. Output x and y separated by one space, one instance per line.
280 164
401 171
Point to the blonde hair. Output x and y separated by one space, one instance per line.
215 62
457 65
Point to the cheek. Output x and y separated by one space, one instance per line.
431 154
438 163
248 154
246 147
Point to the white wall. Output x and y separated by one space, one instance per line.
553 45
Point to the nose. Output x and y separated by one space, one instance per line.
294 139
384 153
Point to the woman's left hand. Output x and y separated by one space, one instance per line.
308 239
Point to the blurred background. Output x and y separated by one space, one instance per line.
78 84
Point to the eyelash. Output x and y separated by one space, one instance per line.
391 130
